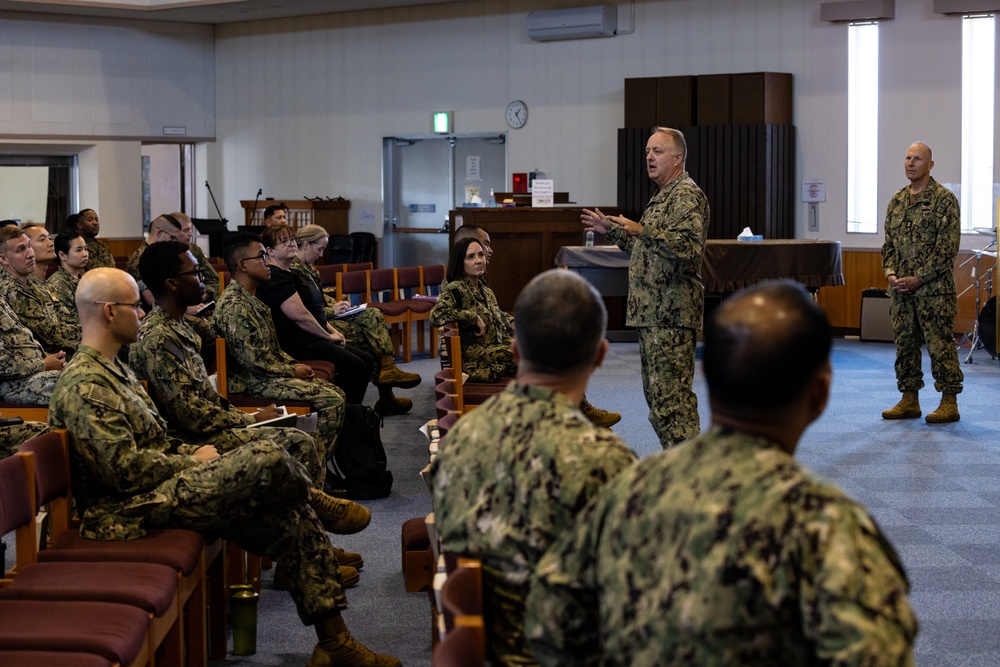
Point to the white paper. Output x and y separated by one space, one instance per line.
541 193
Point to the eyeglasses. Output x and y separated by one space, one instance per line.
200 272
288 243
137 306
263 256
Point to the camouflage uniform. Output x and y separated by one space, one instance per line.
100 254
41 312
666 301
509 478
167 357
12 436
258 365
723 551
366 329
921 239
23 378
125 464
485 358
62 286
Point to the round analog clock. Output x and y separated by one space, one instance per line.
517 114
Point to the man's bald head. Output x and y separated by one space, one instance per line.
103 284
763 347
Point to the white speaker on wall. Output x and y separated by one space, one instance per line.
575 23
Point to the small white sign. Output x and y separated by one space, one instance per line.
541 193
813 191
472 168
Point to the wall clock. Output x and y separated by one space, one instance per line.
517 114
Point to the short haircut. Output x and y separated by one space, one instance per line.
64 240
678 138
32 225
159 262
234 248
311 234
82 211
753 364
273 208
8 233
71 221
165 219
468 231
456 259
6 223
559 322
271 235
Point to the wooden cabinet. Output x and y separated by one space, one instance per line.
330 214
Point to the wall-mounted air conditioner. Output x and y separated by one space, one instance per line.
576 23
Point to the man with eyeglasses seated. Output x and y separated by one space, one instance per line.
130 475
257 364
166 356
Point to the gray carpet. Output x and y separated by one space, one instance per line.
933 489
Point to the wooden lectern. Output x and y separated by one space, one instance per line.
329 214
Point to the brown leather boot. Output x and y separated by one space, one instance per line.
337 648
390 375
599 417
907 408
340 516
946 413
351 558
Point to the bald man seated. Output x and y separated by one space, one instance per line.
130 475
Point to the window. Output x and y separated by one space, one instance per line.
37 188
862 128
978 52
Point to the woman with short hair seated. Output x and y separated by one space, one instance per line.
485 331
301 324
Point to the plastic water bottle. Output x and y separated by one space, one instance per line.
493 199
589 239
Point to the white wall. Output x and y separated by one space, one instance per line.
331 87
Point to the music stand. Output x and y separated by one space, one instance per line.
216 231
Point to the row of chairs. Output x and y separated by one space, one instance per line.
404 295
138 602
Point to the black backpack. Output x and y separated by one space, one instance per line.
358 469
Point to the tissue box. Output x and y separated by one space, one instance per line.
755 237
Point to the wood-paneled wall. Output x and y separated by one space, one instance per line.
863 269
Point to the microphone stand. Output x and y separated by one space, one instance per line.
215 203
253 214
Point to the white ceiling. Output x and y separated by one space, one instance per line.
205 11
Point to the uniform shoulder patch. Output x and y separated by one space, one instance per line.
174 349
103 396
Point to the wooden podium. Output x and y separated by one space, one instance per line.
330 214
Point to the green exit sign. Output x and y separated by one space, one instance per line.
442 122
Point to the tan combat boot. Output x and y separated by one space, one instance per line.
907 408
388 405
337 515
597 416
389 375
946 412
337 648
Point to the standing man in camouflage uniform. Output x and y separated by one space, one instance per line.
258 365
725 550
31 300
129 475
167 357
27 373
666 298
511 475
922 230
88 224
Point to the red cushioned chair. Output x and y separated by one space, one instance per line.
182 550
52 659
384 295
148 586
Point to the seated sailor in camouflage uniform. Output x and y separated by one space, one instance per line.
512 474
724 550
130 475
167 357
12 435
72 255
89 224
27 373
31 300
257 364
